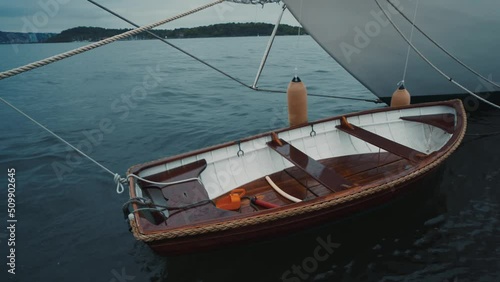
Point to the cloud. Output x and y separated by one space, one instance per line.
57 15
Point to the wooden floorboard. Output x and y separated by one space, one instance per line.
359 169
317 191
354 164
382 174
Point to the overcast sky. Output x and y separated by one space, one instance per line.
58 15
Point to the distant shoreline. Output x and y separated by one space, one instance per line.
149 39
92 34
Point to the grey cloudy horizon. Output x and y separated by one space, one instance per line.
58 15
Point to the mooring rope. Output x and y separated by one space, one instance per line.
103 42
431 64
165 183
117 178
441 47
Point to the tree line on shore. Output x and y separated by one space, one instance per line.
216 30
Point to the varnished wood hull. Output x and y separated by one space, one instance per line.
273 230
362 180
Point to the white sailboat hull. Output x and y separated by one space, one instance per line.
358 35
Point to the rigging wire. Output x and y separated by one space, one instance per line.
298 41
431 64
376 101
441 47
170 44
411 39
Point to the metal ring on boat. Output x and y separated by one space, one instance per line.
313 133
240 153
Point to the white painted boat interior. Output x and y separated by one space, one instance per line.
226 171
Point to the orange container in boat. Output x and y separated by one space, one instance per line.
232 201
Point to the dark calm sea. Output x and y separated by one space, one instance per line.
132 102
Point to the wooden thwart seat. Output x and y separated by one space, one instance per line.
327 177
381 142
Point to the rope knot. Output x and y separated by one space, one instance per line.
120 181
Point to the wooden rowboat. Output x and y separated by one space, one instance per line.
334 167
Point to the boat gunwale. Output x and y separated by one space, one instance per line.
316 204
139 167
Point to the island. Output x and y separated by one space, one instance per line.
97 33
